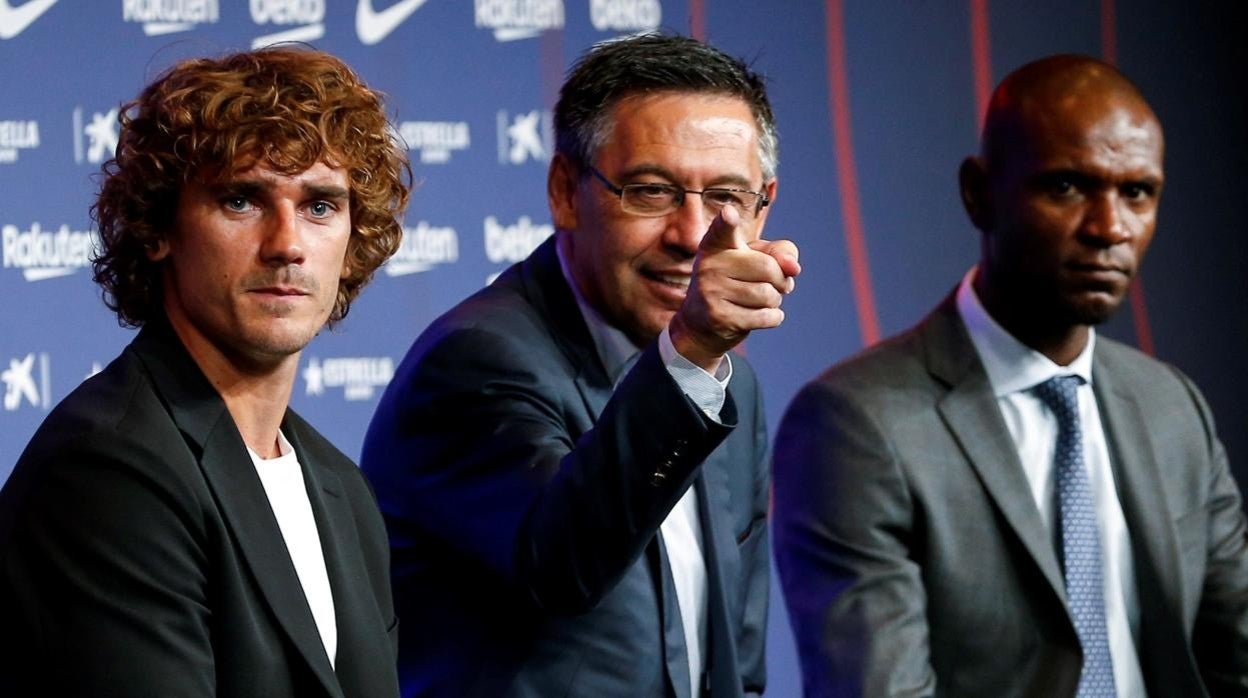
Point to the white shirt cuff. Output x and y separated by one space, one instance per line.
707 391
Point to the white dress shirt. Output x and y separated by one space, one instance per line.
681 531
1013 370
288 497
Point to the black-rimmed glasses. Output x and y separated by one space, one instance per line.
657 199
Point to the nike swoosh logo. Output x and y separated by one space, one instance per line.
14 20
373 26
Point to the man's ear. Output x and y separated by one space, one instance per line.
562 181
976 194
770 190
157 251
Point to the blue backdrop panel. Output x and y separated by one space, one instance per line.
470 85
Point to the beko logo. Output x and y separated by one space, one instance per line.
287 11
512 243
625 15
306 16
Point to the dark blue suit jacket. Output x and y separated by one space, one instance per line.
522 497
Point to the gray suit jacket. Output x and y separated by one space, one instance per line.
523 492
914 561
139 555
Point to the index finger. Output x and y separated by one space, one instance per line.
727 232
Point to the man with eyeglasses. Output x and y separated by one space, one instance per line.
572 470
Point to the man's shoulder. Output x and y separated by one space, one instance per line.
895 361
500 308
516 323
1161 390
113 428
1121 357
1132 370
113 404
901 377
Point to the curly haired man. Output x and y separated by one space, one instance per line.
173 528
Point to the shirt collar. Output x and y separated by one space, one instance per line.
615 350
1011 365
284 450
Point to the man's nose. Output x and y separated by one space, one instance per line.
688 223
1105 220
282 241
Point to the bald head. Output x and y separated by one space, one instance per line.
1065 192
1053 92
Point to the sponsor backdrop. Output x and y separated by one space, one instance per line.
877 103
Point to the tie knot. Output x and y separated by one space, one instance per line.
1060 394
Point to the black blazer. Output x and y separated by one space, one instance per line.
139 555
523 495
913 558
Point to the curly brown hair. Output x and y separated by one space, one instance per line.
287 108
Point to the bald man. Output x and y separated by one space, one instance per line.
999 502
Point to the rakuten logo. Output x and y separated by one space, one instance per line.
519 19
160 17
42 254
423 248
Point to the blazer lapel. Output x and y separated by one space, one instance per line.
360 646
970 412
719 550
245 505
549 292
201 415
1141 491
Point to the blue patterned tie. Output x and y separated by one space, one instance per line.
1080 539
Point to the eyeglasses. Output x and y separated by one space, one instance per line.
656 199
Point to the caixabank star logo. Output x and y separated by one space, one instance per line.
27 382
